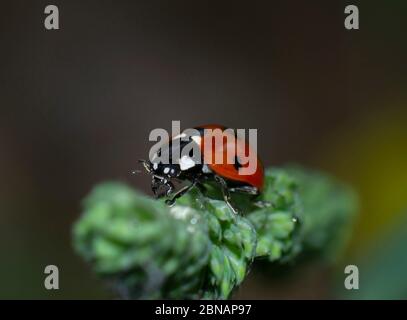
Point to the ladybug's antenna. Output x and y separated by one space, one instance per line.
145 164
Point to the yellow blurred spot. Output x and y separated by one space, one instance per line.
372 156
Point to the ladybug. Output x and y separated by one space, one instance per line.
197 171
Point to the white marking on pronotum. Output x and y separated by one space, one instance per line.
186 162
205 169
155 166
180 136
166 170
197 139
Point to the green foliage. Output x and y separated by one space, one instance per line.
278 226
233 244
329 206
199 248
142 245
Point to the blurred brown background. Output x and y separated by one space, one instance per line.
77 105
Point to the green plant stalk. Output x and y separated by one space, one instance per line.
199 249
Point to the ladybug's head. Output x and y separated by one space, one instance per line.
161 175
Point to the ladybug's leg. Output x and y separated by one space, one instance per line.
201 187
263 204
246 190
180 193
254 192
226 193
161 187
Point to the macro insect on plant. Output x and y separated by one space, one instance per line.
209 153
197 247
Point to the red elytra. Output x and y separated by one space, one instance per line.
227 169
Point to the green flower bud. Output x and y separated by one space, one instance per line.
146 249
199 248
